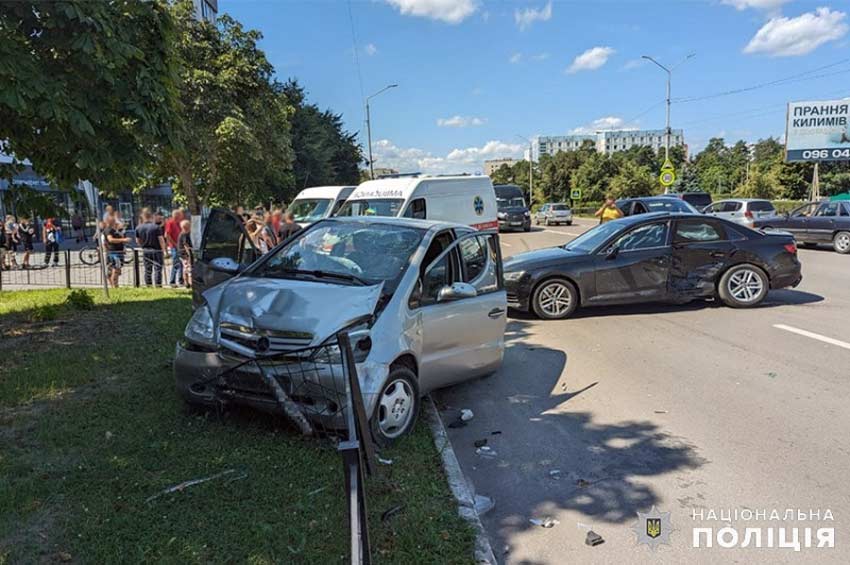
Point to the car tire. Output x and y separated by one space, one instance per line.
570 223
554 299
396 408
527 228
743 286
841 242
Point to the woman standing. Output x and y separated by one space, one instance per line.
51 234
26 233
608 211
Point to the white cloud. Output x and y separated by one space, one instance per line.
607 122
460 122
518 57
788 37
766 5
515 58
591 59
370 49
462 160
524 18
449 11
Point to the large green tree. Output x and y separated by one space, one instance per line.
325 154
233 135
633 179
86 87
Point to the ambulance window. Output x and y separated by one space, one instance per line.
416 209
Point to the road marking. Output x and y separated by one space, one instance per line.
563 233
813 335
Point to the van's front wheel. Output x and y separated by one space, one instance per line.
397 407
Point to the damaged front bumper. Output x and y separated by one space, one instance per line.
317 389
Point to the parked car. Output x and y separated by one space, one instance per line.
744 211
462 199
554 213
653 257
646 204
431 292
815 223
317 202
698 199
512 210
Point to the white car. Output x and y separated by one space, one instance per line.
744 211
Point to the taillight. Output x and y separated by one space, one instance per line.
791 248
748 214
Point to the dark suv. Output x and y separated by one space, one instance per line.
512 212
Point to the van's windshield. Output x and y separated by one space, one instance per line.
373 207
503 203
310 209
345 253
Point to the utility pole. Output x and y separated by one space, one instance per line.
667 131
369 128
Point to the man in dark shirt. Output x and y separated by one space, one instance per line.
151 239
115 241
26 233
288 227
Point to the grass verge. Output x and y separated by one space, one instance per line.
91 428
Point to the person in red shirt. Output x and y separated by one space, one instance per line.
172 235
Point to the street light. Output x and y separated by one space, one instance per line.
669 78
369 128
530 169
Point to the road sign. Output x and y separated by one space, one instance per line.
667 166
575 194
667 177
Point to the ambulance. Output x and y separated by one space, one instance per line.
462 199
317 202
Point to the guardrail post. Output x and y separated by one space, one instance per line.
136 282
67 269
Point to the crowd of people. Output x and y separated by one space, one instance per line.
267 228
19 233
158 238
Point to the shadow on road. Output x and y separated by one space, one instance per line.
549 457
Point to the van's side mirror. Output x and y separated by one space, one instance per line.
612 252
225 265
456 291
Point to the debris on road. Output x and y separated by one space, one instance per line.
581 483
555 474
391 511
593 539
483 504
772 375
485 451
496 432
466 414
480 442
660 411
186 484
457 423
545 522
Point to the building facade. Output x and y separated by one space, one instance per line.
206 10
609 141
492 165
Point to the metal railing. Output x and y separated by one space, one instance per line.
318 390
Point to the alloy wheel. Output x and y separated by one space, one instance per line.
555 299
746 285
842 242
395 408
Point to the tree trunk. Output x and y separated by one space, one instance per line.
188 185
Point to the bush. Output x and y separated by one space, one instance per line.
79 300
44 313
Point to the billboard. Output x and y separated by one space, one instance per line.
818 131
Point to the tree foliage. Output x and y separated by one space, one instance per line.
87 87
233 127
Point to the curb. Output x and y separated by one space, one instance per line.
458 484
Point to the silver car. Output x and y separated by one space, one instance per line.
744 211
431 295
554 213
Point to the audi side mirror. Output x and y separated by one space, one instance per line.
612 252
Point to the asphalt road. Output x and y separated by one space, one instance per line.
695 407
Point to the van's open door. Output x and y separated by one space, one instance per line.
224 236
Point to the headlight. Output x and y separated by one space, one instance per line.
361 345
514 276
527 213
200 328
501 215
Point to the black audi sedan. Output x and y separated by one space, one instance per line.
653 257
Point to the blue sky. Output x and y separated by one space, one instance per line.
473 74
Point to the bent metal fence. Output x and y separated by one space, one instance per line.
77 269
317 388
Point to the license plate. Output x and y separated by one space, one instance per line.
516 223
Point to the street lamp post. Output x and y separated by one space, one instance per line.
530 169
667 131
369 128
